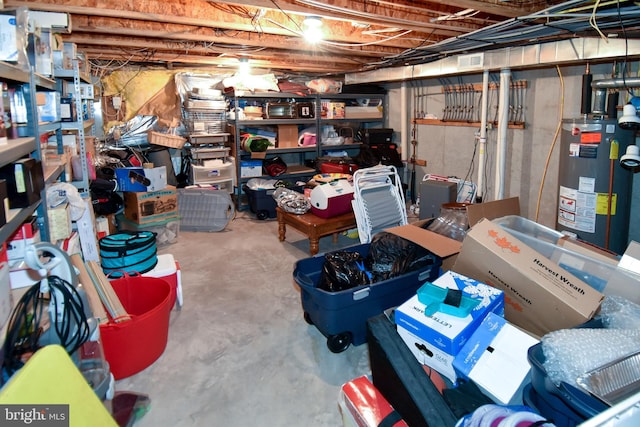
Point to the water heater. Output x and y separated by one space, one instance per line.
590 172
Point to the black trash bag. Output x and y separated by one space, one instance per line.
391 256
343 270
366 157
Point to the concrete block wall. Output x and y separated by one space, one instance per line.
450 150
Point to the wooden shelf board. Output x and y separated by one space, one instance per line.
437 122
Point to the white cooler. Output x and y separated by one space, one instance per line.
169 270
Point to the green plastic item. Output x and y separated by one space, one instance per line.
258 144
434 298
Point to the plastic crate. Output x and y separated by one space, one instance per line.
262 203
544 240
204 210
342 316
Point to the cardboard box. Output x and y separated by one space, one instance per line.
287 136
140 179
8 38
48 106
59 222
332 110
151 206
497 347
429 355
250 168
448 332
540 297
447 249
359 112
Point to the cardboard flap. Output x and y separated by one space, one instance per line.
492 210
436 243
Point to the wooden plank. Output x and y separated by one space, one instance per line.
437 122
87 284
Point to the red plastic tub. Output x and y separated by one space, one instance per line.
132 345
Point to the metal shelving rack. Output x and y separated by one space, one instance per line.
299 170
29 145
81 126
295 170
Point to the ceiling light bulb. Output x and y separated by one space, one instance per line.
244 68
312 29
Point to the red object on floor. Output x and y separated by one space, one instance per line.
169 270
366 404
132 345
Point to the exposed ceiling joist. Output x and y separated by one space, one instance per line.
359 35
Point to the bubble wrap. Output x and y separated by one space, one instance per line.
570 353
619 313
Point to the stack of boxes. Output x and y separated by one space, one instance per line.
149 203
516 294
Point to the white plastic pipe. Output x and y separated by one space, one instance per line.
404 123
503 122
483 134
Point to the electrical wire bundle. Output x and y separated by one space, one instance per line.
27 326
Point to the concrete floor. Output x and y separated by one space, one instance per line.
239 351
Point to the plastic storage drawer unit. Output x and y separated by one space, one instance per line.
213 171
342 316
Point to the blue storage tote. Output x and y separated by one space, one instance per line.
576 404
342 316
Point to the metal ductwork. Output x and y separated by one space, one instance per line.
602 86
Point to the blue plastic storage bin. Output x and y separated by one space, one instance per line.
565 397
551 407
342 316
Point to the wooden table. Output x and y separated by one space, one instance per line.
314 227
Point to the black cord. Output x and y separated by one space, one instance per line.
25 326
23 330
72 329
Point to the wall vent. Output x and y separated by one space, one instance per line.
474 60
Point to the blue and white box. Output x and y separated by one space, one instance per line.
446 332
495 358
250 168
139 179
429 355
